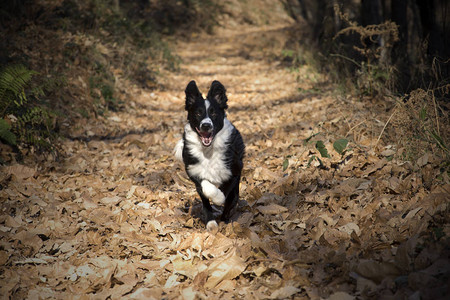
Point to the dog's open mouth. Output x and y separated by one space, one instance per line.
206 137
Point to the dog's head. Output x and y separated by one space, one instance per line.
206 116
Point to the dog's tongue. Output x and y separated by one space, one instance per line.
206 138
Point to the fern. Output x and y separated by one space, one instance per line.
34 125
36 128
14 79
6 134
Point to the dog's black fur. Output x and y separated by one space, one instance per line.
212 150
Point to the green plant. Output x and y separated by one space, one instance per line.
22 120
6 134
339 146
14 79
36 128
102 91
292 56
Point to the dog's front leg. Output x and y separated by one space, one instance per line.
231 189
211 224
212 192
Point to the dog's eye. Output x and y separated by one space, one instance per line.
212 113
199 113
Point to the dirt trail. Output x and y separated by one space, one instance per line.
118 219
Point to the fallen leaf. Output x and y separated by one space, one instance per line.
349 228
3 257
412 213
30 261
225 268
376 271
423 160
388 152
21 172
188 293
110 200
171 281
341 296
284 292
271 209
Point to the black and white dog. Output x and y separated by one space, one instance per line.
212 150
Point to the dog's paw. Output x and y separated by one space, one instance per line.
212 226
213 193
219 199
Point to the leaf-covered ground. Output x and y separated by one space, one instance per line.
117 218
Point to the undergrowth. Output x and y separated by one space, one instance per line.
101 48
359 60
374 74
422 125
24 120
115 40
419 120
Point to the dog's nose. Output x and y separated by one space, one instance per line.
206 127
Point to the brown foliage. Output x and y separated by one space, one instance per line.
422 125
117 218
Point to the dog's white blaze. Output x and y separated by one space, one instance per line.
213 193
207 119
211 165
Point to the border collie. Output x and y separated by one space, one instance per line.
212 150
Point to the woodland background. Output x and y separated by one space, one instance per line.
344 109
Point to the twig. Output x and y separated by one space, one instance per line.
345 119
351 129
436 113
347 58
384 127
298 262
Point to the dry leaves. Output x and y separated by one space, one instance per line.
118 219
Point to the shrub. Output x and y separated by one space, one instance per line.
422 125
22 120
374 73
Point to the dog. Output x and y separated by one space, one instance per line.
212 151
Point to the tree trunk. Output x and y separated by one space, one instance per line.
400 50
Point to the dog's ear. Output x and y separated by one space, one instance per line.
218 92
192 94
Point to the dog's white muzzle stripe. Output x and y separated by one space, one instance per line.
206 120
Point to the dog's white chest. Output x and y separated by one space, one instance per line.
211 168
211 163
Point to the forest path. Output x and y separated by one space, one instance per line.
118 219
